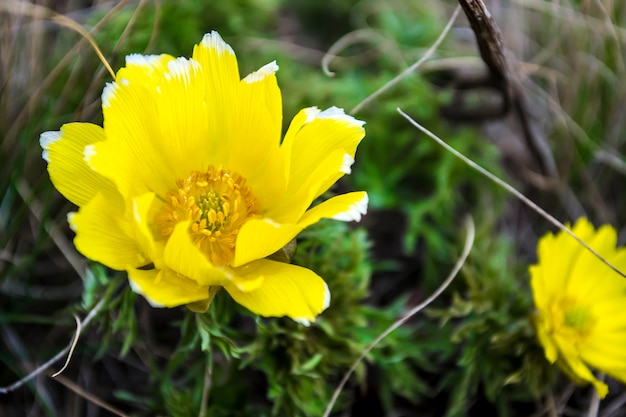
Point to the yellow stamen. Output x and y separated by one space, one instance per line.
217 202
572 319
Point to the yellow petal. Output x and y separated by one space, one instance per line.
104 234
70 174
320 148
304 116
218 59
145 207
324 133
605 351
549 347
157 125
221 93
165 288
541 294
185 139
256 135
139 70
182 256
587 265
572 364
259 238
552 274
290 208
287 290
610 312
345 207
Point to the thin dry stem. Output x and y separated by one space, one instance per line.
573 18
361 35
55 358
594 405
40 12
59 239
206 389
509 189
410 69
469 242
615 407
96 83
72 347
35 97
611 26
90 397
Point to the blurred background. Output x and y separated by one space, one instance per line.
558 137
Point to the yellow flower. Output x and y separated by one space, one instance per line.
188 187
580 318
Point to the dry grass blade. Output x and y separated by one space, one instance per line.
410 69
90 397
573 18
361 35
39 12
469 242
510 189
93 313
72 347
21 119
206 389
59 239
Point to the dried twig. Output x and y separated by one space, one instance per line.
58 356
72 347
89 397
501 77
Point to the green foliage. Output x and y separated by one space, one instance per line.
231 18
398 166
303 365
489 326
117 315
297 367
300 363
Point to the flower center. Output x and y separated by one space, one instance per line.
572 319
218 203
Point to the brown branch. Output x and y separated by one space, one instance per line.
492 52
488 37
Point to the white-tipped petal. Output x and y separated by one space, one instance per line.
311 113
108 93
303 322
182 69
261 73
326 298
338 114
306 322
214 41
354 212
346 167
45 140
70 220
139 59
